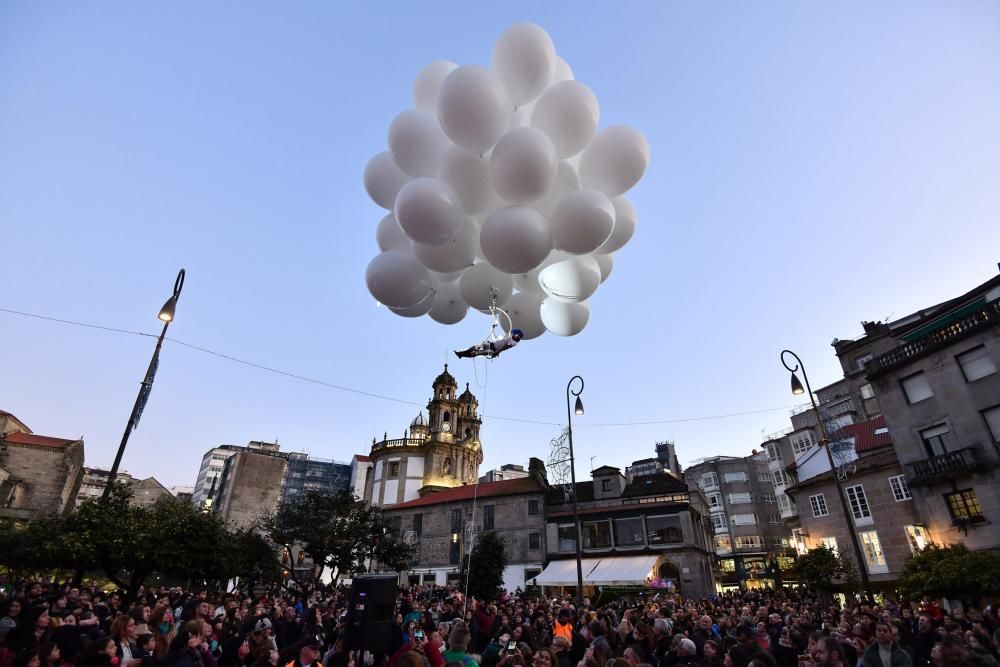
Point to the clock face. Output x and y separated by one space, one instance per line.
446 427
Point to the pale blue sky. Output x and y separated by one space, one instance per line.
813 165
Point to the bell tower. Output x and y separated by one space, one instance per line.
443 407
453 453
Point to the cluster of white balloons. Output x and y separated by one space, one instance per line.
498 178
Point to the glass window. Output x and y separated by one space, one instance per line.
859 504
992 417
567 537
784 503
723 544
454 550
818 504
393 470
487 517
456 521
597 535
709 480
768 498
773 451
605 485
664 529
916 387
628 532
765 477
830 543
775 519
862 360
532 506
867 391
937 440
418 524
743 519
714 500
534 540
802 442
976 363
964 507
872 549
900 490
718 521
749 542
740 498
917 537
731 477
781 478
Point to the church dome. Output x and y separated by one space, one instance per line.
445 378
419 420
467 396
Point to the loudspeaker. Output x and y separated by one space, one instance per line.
369 613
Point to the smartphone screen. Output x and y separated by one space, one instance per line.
511 645
419 634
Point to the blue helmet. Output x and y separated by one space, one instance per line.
517 332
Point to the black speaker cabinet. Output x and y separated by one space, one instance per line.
370 612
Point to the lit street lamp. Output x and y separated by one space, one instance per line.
166 316
824 443
578 409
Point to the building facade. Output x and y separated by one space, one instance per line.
506 471
210 471
250 484
750 540
305 473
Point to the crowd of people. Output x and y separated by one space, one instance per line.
51 625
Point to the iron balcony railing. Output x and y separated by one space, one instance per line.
948 464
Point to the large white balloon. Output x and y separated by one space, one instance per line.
390 236
582 221
568 113
522 115
428 211
624 226
468 175
615 160
473 108
448 307
397 279
525 59
516 239
457 254
428 84
523 309
571 280
476 282
416 142
563 71
528 281
523 165
420 308
607 263
383 179
564 319
566 182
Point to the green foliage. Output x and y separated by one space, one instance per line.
483 572
335 530
952 571
824 570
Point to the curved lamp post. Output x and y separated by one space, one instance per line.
578 409
166 316
824 444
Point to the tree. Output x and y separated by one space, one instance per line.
821 567
336 531
482 572
951 571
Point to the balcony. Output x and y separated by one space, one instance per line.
715 509
722 530
708 486
949 464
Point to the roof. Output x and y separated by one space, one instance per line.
556 494
506 487
445 378
362 457
467 396
658 484
37 440
605 469
867 435
419 420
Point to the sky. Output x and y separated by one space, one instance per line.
812 165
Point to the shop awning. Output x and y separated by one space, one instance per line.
563 572
622 571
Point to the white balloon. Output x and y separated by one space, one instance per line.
397 279
528 281
428 211
457 254
446 277
523 309
582 221
607 263
571 280
523 165
448 307
563 72
624 226
419 309
516 239
525 59
473 107
468 175
615 160
428 84
568 113
566 182
522 115
416 142
390 236
383 179
564 319
476 282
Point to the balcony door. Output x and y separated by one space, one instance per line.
937 440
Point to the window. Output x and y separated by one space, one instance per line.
709 480
732 477
917 537
976 363
765 477
916 387
802 442
534 540
937 440
780 543
533 507
723 544
860 362
394 469
774 519
773 451
714 500
743 519
629 532
418 524
859 505
597 535
454 551
992 417
567 537
768 498
830 543
719 521
605 485
300 560
781 478
749 542
873 552
964 507
867 391
784 503
488 517
818 504
900 490
664 529
456 521
740 498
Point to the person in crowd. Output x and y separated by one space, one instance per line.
830 653
124 634
883 652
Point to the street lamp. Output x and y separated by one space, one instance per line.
578 409
824 443
166 316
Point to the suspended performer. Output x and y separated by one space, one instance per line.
492 348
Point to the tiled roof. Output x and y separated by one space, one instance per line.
506 487
38 440
867 435
362 457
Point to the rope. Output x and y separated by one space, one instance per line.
475 494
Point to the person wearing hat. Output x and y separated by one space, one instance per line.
309 651
492 348
748 649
